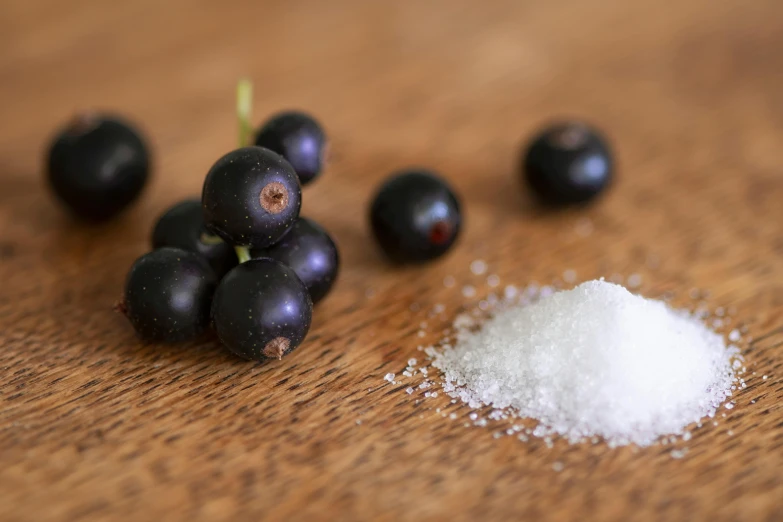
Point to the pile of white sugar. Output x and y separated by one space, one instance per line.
592 361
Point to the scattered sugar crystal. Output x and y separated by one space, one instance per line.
422 333
593 361
473 416
730 433
389 377
483 305
468 291
734 335
569 276
453 416
678 454
406 373
497 434
358 422
764 377
510 292
478 267
686 436
493 280
634 281
434 394
717 323
558 466
412 362
409 390
449 281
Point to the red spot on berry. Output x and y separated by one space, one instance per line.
440 233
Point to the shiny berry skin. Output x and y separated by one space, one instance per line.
309 250
97 165
299 139
261 310
182 226
568 163
168 294
415 217
251 197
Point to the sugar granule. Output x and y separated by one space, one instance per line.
478 267
592 361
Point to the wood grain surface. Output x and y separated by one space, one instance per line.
95 425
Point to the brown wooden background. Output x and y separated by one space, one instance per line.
95 425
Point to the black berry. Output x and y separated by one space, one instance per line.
251 197
299 139
415 217
182 226
311 253
168 295
568 163
261 310
97 166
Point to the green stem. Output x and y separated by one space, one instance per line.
244 110
243 253
209 239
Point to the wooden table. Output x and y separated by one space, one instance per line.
95 425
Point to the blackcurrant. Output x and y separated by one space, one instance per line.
568 163
182 226
261 310
298 138
310 252
415 216
168 294
97 165
251 197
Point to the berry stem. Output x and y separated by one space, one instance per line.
244 109
243 253
209 239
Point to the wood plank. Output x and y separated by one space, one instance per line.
95 425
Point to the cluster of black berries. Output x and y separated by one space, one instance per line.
241 258
260 308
